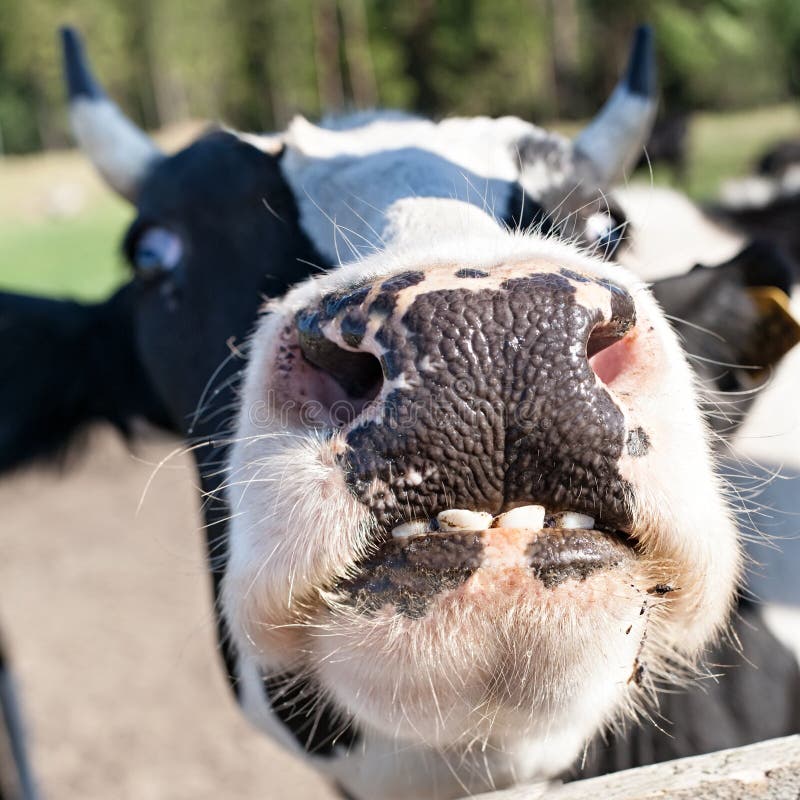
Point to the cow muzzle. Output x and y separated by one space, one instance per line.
496 473
470 403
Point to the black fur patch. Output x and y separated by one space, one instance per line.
638 442
471 273
526 214
335 303
574 276
573 553
402 281
316 725
408 574
353 328
717 320
65 365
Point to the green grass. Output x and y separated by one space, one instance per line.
76 257
79 256
727 145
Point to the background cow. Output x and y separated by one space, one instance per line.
776 162
767 204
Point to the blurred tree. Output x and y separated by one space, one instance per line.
564 40
360 70
328 54
249 97
255 63
783 19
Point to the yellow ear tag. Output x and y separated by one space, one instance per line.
777 331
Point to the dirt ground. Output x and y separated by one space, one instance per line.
107 615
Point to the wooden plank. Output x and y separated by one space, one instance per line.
765 771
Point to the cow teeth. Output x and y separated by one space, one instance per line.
572 519
408 529
526 517
459 519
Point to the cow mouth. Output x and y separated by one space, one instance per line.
560 536
422 559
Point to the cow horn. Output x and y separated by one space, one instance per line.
120 151
613 141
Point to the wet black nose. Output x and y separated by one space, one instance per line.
484 395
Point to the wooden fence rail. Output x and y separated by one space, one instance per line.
765 771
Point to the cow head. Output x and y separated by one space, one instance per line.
471 492
215 230
467 504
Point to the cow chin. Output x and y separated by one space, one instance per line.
479 642
502 653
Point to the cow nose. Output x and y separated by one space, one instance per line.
485 390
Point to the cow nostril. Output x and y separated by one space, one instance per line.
612 361
602 337
357 373
623 317
609 346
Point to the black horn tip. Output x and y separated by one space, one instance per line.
640 77
80 81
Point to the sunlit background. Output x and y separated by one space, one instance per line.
103 598
730 71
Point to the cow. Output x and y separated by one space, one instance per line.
461 509
780 159
766 204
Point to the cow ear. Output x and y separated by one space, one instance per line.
64 365
734 318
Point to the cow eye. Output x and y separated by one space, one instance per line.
156 252
604 232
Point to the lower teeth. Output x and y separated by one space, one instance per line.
572 519
458 519
408 529
532 517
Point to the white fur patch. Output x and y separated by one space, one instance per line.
757 191
346 181
670 233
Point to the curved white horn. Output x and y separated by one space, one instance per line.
612 142
120 151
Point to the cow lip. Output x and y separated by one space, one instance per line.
576 553
408 574
575 537
430 555
552 554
